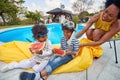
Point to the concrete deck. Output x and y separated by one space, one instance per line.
103 68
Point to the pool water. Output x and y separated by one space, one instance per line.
25 34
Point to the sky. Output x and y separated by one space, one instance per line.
46 5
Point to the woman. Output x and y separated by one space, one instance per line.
100 35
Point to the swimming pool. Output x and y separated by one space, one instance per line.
25 34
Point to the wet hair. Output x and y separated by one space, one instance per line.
39 30
115 2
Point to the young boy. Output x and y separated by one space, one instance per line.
41 57
57 60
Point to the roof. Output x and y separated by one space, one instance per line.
59 11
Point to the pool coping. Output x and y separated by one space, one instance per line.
5 29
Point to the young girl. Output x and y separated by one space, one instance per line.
57 60
40 58
106 26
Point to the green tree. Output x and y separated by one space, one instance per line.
76 19
35 16
91 14
9 8
83 14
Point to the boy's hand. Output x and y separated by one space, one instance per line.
70 52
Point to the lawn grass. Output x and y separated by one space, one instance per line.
11 26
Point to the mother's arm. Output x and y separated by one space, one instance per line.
113 30
88 25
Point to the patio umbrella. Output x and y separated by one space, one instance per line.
58 11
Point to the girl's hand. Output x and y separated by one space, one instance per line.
38 52
31 51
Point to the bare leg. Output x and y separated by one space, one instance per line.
89 34
97 34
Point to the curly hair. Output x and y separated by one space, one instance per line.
39 29
115 2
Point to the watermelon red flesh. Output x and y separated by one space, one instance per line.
59 51
37 46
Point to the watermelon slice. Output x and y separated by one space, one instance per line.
59 51
37 46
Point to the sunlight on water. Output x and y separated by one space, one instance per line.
25 34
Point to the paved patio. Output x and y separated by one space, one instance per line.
103 68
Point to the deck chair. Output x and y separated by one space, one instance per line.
114 39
